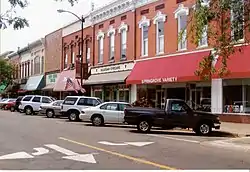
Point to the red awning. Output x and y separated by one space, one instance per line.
238 64
179 68
62 78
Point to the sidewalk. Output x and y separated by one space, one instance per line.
236 128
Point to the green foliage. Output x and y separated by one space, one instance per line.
9 18
6 71
223 31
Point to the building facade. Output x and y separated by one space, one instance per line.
52 63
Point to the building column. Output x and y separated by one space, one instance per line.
217 96
133 93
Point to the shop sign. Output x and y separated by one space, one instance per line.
113 68
51 78
159 80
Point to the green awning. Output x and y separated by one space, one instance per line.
35 83
2 88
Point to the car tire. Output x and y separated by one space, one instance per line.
12 109
50 114
28 110
73 115
144 126
203 128
97 120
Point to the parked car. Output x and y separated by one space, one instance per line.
176 113
30 104
108 112
72 106
51 110
6 102
15 105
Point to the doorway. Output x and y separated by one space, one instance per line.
195 98
160 99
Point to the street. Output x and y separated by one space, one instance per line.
38 143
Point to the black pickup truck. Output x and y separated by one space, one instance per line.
175 114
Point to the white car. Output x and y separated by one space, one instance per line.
108 112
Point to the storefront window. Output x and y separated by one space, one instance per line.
124 95
232 98
98 94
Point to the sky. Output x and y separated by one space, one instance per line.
43 19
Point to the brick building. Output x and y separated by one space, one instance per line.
52 64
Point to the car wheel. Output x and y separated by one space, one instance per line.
204 128
97 120
144 126
28 111
74 116
12 109
50 114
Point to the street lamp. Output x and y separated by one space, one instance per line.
82 19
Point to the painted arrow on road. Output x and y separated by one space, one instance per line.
17 155
139 144
88 158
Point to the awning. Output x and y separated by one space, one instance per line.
62 78
107 78
2 88
35 83
178 68
49 87
238 64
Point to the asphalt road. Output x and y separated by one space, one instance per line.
63 145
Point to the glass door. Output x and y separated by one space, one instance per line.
195 97
159 103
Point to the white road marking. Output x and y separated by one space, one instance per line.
174 138
89 158
112 144
17 155
139 144
40 151
61 150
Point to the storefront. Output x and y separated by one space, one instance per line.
50 84
170 77
108 82
231 94
72 89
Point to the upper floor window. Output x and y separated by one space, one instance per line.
66 61
111 35
73 58
237 20
123 29
203 40
159 21
181 14
144 25
100 39
37 65
88 55
42 64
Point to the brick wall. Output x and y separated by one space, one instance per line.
53 51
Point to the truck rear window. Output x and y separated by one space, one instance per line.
70 101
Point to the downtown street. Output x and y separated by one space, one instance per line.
39 143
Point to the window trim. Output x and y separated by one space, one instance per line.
159 18
232 29
143 22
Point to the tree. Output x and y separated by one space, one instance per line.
226 22
10 18
6 71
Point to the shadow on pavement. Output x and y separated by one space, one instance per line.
188 133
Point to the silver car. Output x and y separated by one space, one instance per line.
51 110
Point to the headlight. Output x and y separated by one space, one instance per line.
218 118
83 112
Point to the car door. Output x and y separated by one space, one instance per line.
178 114
122 106
56 107
111 113
36 103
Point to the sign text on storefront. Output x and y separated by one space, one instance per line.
159 80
